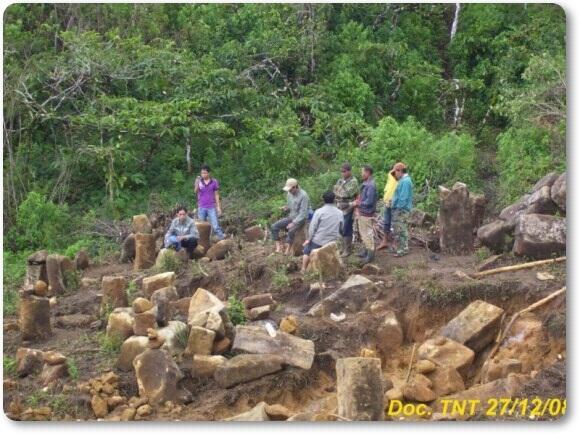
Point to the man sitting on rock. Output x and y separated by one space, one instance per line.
326 226
298 205
182 233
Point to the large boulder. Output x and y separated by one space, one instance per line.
200 341
82 260
141 224
114 292
145 321
455 220
204 229
500 368
145 251
204 366
540 236
511 212
34 317
120 323
28 361
167 254
220 249
201 304
325 262
447 353
355 292
130 348
294 351
558 192
245 368
156 282
128 249
476 326
497 235
157 376
389 334
546 181
359 389
445 380
540 202
253 234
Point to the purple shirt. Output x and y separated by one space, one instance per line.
206 193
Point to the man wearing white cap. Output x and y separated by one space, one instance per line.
298 205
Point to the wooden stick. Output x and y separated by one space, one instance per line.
503 335
517 267
411 362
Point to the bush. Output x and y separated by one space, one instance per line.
236 310
14 273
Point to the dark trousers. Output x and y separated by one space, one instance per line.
282 224
347 224
387 220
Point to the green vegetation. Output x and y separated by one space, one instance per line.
9 366
280 278
73 369
236 310
114 113
110 344
169 263
482 253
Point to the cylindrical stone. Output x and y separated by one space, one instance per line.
359 389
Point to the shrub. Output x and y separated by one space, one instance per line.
236 310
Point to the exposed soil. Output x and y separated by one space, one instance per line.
422 288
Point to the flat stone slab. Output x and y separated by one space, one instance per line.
446 353
294 351
245 368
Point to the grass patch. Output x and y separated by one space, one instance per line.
9 366
236 310
110 344
482 253
182 337
36 399
72 280
73 368
280 278
131 291
399 273
169 263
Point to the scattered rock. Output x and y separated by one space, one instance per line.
157 376
257 413
221 346
289 324
200 341
294 351
89 282
179 309
389 334
497 369
34 318
371 269
325 261
36 268
558 192
121 322
128 249
170 334
446 353
52 373
540 202
141 224
424 366
114 292
540 236
245 368
130 348
547 180
140 305
359 389
355 292
446 380
55 273
40 288
365 352
419 218
82 260
259 313
220 249
476 326
70 321
155 341
497 235
277 412
145 321
144 411
156 282
215 322
258 300
53 358
42 413
455 220
418 389
511 212
204 229
201 304
394 394
145 251
161 299
99 406
28 361
204 366
253 234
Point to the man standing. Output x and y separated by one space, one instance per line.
324 228
297 205
388 199
182 233
366 206
402 204
208 200
345 191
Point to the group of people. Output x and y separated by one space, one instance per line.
347 205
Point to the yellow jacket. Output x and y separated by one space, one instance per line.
390 188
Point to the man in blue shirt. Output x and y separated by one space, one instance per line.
402 204
366 205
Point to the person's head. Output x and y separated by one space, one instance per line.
205 172
346 170
291 186
399 169
328 197
366 172
182 213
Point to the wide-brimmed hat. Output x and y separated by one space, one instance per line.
290 183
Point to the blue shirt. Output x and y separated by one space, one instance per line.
403 198
368 198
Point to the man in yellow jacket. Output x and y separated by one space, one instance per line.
388 199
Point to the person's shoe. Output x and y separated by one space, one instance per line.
400 253
362 254
369 257
346 247
384 244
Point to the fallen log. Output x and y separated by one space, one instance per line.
411 363
516 267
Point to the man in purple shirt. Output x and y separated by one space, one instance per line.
208 200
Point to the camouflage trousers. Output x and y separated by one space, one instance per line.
400 230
